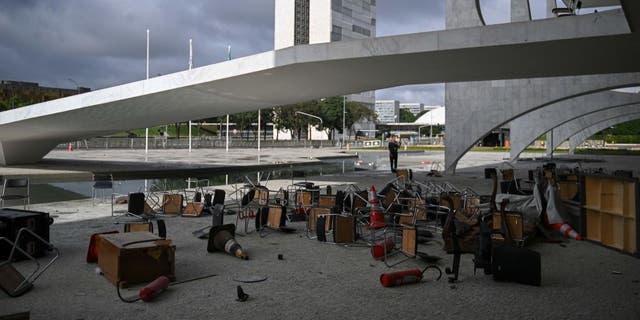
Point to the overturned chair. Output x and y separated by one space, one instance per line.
11 279
140 216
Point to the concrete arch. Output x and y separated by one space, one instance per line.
308 72
561 133
463 14
580 137
520 10
474 110
526 128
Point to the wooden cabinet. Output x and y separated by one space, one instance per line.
609 210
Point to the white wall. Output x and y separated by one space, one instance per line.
319 21
284 24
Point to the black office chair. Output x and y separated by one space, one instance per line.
101 182
16 189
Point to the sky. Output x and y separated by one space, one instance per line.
102 43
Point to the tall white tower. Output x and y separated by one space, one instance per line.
320 21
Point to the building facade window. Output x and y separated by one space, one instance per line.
361 30
336 33
301 28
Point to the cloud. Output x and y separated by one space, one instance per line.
429 94
102 43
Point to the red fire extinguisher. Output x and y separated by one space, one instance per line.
406 276
155 288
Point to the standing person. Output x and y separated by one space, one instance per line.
393 153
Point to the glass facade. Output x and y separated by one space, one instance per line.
301 29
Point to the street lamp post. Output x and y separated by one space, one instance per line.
190 67
344 114
146 130
77 86
310 115
419 135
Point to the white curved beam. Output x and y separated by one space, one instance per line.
520 11
463 14
528 127
584 134
561 133
309 72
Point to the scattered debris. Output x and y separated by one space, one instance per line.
280 257
222 238
616 272
249 278
242 297
405 277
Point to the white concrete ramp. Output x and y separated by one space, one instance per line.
515 50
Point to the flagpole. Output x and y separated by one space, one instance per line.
146 130
190 66
228 58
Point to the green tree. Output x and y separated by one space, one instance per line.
244 121
328 109
407 116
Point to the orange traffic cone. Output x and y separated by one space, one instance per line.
70 148
376 217
566 229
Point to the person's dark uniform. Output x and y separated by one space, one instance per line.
393 154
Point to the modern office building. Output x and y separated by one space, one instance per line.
388 111
414 107
319 21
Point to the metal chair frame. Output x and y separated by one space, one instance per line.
101 182
9 272
16 183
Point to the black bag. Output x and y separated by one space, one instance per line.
320 228
218 196
207 200
482 258
136 203
261 217
217 215
519 265
248 197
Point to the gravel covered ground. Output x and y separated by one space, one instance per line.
580 279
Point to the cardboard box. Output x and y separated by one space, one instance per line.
135 257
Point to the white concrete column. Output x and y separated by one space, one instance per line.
550 5
463 14
520 11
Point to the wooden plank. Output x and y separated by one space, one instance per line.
592 192
630 241
409 241
593 225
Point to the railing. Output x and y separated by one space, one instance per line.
183 143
